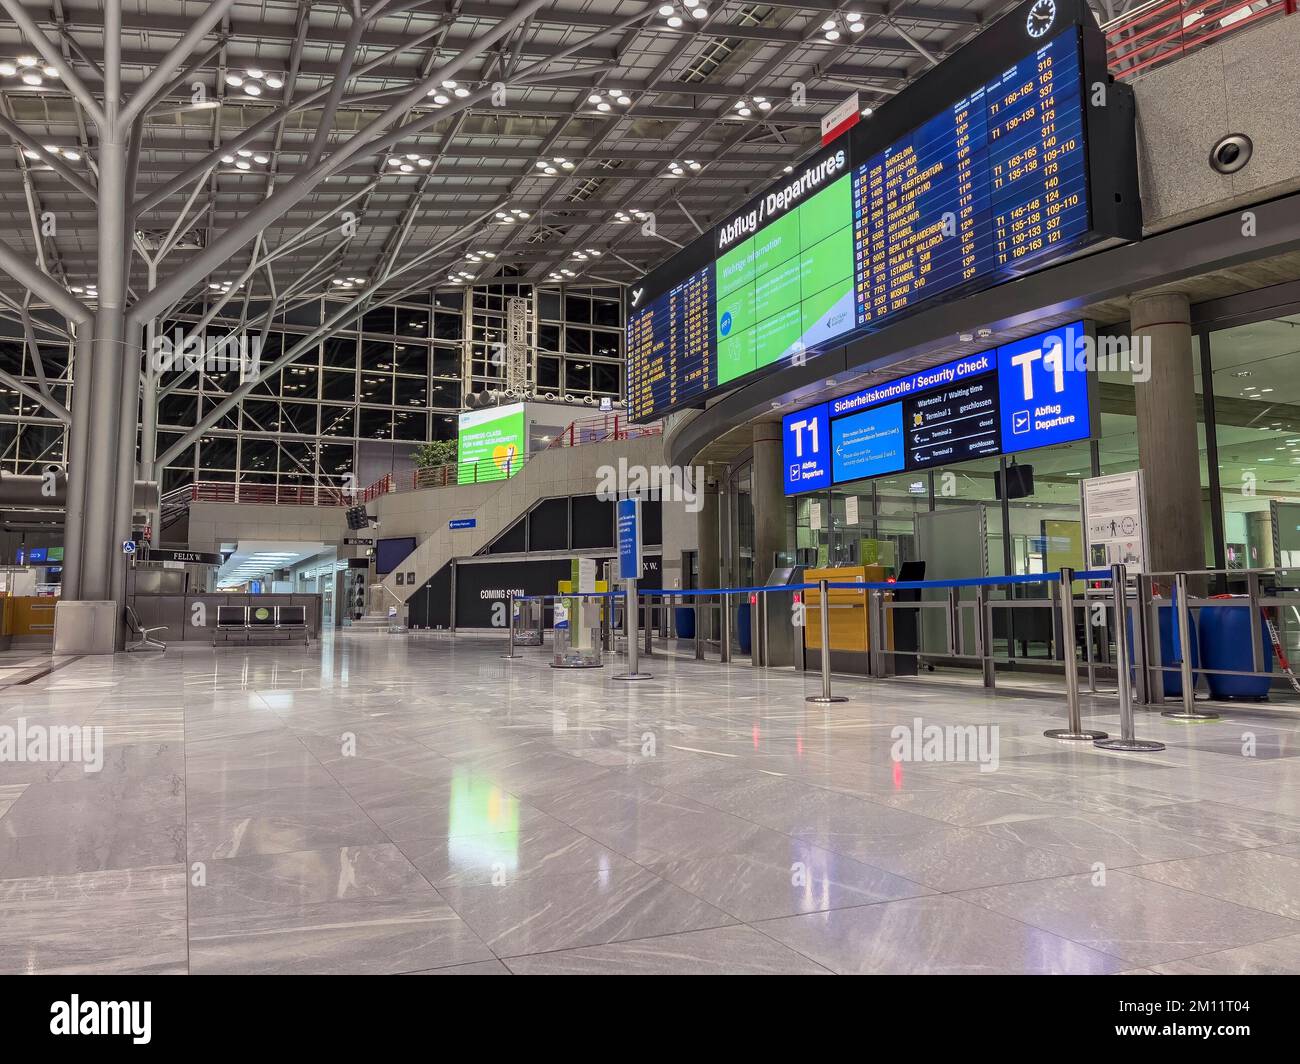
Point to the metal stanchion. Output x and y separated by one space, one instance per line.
725 637
1127 742
699 631
824 613
1183 612
510 613
630 621
984 635
1065 607
650 624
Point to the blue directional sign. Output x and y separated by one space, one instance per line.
456 524
1030 393
629 539
868 444
806 449
1043 389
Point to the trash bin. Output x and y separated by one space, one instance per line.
1226 632
743 629
684 620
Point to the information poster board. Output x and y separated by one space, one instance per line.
1114 521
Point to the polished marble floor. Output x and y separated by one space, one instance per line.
418 804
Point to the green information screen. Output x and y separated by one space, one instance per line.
789 287
490 444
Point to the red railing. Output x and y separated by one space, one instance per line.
1165 30
269 494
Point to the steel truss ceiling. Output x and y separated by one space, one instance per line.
523 99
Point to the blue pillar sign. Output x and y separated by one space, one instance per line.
629 539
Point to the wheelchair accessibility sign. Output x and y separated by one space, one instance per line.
128 547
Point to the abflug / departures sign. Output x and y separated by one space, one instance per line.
773 205
1002 160
1017 397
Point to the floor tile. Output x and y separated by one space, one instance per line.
1141 921
719 951
534 915
932 935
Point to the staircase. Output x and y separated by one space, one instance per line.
552 473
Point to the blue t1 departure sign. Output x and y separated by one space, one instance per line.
1030 393
806 446
1043 385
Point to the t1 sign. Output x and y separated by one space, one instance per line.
1044 389
806 449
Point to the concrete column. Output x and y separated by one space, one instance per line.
1168 451
709 560
767 494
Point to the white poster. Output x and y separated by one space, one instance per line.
815 516
1114 521
850 509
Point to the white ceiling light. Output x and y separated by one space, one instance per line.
673 14
851 21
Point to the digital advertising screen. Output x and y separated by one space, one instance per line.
1009 169
490 444
1029 393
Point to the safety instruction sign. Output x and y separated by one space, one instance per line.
1114 521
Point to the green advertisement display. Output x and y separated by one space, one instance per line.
490 444
789 287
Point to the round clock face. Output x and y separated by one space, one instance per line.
1040 18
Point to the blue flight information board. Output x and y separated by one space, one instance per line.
1030 393
997 179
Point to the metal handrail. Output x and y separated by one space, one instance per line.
1160 32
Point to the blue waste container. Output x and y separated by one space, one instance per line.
1226 632
684 620
743 633
1171 653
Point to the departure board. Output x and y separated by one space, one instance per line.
670 355
997 178
1010 170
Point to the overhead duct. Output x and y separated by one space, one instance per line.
33 490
